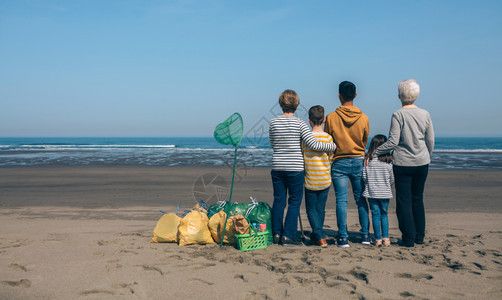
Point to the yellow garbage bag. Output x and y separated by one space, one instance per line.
216 224
166 230
194 229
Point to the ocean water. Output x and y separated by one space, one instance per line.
449 153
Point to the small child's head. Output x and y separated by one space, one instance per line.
376 142
346 91
316 115
289 101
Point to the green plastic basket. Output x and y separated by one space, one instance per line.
253 241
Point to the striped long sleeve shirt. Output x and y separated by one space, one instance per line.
378 179
286 134
317 164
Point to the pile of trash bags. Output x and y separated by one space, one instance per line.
202 225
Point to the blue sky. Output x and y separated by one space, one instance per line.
178 68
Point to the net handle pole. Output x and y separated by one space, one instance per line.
230 198
233 176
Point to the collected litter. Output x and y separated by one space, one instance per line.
246 226
223 222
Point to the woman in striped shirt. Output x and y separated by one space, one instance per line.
286 132
378 180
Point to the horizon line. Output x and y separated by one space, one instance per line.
207 136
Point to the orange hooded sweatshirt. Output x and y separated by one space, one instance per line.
349 128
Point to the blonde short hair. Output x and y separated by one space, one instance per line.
408 91
289 101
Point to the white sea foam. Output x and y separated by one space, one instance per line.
170 152
468 151
82 147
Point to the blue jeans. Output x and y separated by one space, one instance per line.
285 182
315 202
342 171
379 217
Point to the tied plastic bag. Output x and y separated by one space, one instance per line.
237 208
193 229
262 214
166 230
241 225
216 224
215 208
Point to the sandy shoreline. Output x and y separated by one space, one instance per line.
121 186
84 232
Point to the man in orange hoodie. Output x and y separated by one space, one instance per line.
349 128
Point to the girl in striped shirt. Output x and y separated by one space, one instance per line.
286 132
378 179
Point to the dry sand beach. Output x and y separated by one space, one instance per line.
84 232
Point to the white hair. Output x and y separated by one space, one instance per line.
408 90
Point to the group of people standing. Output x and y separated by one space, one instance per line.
334 151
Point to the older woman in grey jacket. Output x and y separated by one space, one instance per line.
411 138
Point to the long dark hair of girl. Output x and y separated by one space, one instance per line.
376 141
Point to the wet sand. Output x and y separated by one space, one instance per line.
121 186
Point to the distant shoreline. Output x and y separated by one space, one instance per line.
450 153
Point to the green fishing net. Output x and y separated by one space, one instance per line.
230 131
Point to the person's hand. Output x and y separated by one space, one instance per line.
366 161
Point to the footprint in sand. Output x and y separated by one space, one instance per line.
452 264
284 269
195 266
18 267
103 243
241 277
152 268
481 267
415 277
360 274
113 264
177 257
128 286
256 295
15 244
98 253
96 292
125 251
200 280
139 234
26 283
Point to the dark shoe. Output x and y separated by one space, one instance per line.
277 238
419 242
403 244
287 242
365 239
342 243
322 243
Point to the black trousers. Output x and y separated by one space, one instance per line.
410 183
